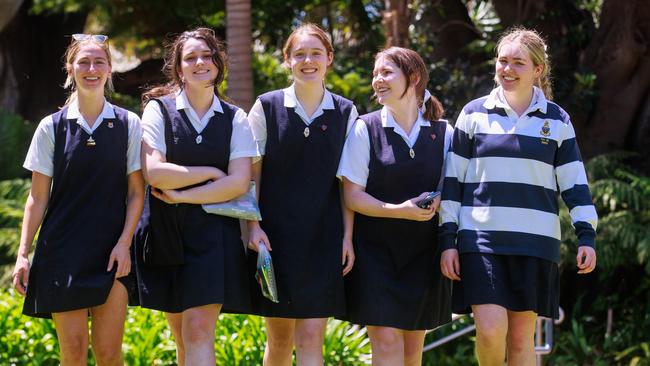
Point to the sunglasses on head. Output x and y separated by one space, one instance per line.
99 38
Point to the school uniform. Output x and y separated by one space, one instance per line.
212 269
396 280
86 209
499 204
300 202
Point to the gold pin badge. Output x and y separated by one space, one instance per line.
306 132
90 141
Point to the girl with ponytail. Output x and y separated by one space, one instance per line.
513 152
391 161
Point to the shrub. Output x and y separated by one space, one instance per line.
15 136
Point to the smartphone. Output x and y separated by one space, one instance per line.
425 203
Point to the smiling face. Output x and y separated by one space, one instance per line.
388 82
196 65
515 70
90 68
308 59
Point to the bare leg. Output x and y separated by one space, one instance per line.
108 327
72 332
491 331
413 345
309 336
521 338
175 321
387 346
279 344
198 334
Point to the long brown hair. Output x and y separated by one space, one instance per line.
71 53
173 57
411 64
533 44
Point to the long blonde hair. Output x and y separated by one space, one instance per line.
70 55
533 44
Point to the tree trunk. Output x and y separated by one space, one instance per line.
619 54
396 20
240 63
518 11
8 9
450 29
31 72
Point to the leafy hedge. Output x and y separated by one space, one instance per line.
15 136
239 339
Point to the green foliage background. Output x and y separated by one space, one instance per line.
620 286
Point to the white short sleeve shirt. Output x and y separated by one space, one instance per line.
40 156
242 143
356 152
257 119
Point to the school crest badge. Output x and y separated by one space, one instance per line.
545 132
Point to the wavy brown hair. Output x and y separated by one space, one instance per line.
411 64
173 58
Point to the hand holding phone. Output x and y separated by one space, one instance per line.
425 203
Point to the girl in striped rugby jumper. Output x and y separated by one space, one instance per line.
513 152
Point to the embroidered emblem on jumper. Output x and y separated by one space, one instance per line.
175 140
433 136
110 124
412 153
90 141
546 132
199 138
323 127
306 132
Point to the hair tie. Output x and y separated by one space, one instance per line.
427 96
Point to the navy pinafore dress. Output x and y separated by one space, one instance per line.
84 219
301 210
213 269
396 280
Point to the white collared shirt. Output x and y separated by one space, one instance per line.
257 119
242 143
40 156
355 160
498 99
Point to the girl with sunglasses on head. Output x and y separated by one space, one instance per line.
514 151
301 131
392 160
204 157
86 195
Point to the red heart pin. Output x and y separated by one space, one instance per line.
433 136
323 127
